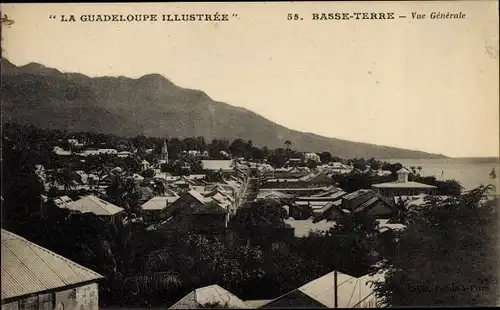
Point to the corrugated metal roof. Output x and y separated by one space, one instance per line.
328 206
351 291
356 194
366 204
159 202
28 268
198 196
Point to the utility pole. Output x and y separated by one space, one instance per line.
335 291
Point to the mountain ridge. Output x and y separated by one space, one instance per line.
153 105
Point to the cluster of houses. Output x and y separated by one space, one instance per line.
81 150
33 277
314 203
179 196
164 198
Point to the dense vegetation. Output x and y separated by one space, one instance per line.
448 256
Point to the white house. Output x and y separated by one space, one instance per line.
403 187
312 157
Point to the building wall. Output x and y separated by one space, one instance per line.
85 297
333 214
299 213
154 215
381 210
391 192
11 306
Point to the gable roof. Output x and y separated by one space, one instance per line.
403 170
184 180
352 292
366 204
409 184
93 204
212 294
215 187
159 202
355 194
196 195
220 196
28 268
333 204
212 207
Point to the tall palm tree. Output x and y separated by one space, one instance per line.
159 187
419 168
288 143
65 178
412 168
124 193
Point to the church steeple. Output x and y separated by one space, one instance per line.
164 151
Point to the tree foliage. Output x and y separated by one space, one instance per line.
446 256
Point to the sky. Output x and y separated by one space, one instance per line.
429 85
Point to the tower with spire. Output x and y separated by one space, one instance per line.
164 152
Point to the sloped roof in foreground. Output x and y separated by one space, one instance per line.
352 292
209 295
28 268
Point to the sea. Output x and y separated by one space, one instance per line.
470 172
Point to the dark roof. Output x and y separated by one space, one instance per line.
367 204
356 194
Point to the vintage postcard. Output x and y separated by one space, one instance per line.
250 155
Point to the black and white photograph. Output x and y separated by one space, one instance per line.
250 155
